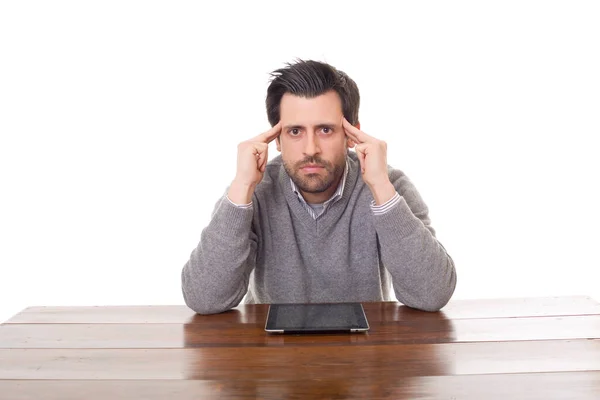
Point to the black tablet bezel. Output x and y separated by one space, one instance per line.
271 327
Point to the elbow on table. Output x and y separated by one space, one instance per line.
433 299
430 305
439 301
203 307
200 296
205 300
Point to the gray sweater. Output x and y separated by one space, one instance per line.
275 252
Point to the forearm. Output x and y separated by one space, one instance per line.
423 273
240 193
215 278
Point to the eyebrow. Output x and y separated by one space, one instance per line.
323 125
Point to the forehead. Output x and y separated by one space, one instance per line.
327 106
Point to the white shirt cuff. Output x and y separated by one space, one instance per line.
385 207
249 205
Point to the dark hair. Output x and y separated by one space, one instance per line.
311 79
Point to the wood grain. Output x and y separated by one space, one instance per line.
238 334
389 311
545 348
382 363
534 386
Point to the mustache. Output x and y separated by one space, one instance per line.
313 160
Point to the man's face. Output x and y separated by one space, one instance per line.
313 144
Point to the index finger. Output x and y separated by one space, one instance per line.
270 135
355 134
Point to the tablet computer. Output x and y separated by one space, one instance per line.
316 317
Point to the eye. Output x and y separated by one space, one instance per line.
294 131
327 130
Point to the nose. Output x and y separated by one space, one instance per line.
311 146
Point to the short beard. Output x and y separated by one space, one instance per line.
313 183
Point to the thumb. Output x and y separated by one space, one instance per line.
360 152
262 161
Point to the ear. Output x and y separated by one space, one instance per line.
278 144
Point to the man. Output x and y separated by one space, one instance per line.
319 223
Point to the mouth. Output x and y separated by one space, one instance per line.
312 168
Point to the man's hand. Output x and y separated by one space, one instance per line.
252 160
372 155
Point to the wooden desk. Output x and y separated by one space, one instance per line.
546 348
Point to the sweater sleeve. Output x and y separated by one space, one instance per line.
215 278
423 274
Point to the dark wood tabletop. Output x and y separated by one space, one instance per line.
535 348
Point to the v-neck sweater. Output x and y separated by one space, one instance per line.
275 252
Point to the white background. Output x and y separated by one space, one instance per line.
119 122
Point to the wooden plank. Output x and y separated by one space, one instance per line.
537 386
253 334
381 362
522 307
105 314
389 311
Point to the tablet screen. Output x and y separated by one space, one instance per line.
316 317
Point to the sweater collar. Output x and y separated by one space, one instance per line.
335 208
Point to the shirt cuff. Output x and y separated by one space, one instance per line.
385 207
244 206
